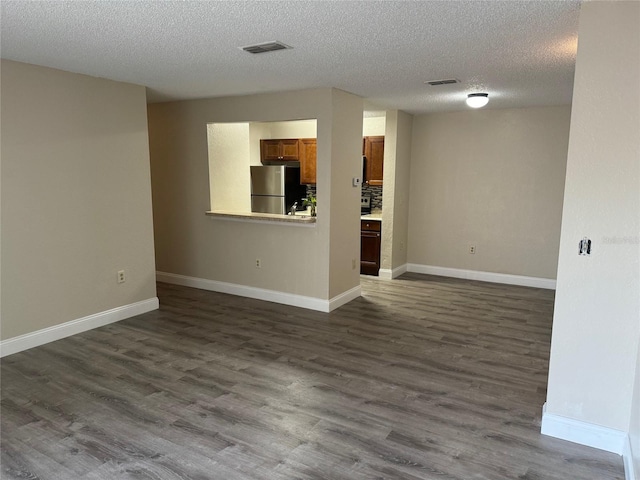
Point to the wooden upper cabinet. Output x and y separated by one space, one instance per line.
373 150
290 149
269 150
301 150
282 149
308 152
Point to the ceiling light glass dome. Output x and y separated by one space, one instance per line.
477 100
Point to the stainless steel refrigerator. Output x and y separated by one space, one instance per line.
274 188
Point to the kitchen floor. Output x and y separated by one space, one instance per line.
421 378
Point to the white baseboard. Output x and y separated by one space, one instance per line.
344 298
57 332
627 458
591 435
387 274
310 303
584 433
506 278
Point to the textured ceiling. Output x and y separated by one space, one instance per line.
521 52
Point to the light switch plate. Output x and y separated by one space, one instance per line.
357 181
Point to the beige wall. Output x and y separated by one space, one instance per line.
493 178
257 131
401 186
346 164
295 259
596 326
388 190
634 421
395 194
373 126
76 199
296 129
229 159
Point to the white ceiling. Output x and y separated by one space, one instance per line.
521 52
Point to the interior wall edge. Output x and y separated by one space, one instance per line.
73 327
627 460
344 298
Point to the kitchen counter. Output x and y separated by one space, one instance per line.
301 217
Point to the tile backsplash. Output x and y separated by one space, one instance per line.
376 196
311 190
374 192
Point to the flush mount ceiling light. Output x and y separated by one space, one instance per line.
477 100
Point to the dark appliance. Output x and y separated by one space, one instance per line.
365 204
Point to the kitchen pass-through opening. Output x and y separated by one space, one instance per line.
234 148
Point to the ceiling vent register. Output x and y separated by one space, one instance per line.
266 47
449 81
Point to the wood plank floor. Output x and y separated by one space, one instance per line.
420 378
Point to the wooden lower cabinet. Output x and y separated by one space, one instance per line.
370 243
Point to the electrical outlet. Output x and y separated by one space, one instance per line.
258 263
121 277
472 249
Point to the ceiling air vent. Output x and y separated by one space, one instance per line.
442 82
265 47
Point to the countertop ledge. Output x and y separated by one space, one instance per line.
268 217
